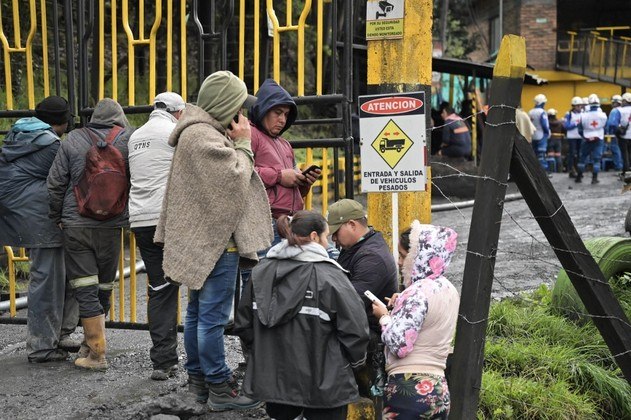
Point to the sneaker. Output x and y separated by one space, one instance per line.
227 396
163 374
69 344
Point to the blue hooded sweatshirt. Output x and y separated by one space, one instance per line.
270 95
25 159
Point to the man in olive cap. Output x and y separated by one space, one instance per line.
367 257
25 159
215 210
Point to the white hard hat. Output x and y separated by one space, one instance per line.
585 101
616 98
552 111
540 99
593 99
577 100
626 97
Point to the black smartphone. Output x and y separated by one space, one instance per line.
311 168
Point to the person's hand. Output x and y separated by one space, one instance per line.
289 178
240 130
391 301
312 177
379 310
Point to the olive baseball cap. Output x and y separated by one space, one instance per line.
342 211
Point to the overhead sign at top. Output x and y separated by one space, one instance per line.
384 19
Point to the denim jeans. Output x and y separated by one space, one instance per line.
593 149
207 313
573 154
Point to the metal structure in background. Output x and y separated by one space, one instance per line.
602 53
86 50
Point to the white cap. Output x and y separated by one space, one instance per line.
626 97
540 99
593 99
577 100
616 98
552 111
169 101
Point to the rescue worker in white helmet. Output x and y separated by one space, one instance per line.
574 139
610 130
619 124
539 119
592 127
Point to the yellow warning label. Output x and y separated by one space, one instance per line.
392 144
384 29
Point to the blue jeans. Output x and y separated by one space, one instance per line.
574 153
593 149
616 154
207 313
540 147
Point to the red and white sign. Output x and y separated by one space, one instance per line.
391 105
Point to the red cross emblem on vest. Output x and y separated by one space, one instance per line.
594 124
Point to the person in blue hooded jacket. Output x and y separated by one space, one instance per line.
25 159
272 114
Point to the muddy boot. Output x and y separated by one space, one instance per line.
579 178
595 178
94 332
84 350
572 174
197 386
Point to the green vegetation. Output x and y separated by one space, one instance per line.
22 269
544 366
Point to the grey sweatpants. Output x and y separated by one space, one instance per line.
46 296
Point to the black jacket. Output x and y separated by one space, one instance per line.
298 320
25 159
373 268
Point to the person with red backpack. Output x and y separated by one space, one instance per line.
88 185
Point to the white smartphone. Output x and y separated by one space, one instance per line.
373 298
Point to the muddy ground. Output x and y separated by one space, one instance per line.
61 391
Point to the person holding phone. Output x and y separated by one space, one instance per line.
272 114
298 320
419 331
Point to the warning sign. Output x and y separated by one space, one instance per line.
393 142
384 19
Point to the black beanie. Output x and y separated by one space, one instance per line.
53 110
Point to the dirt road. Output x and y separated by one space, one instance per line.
59 390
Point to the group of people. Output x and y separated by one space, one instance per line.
585 128
212 195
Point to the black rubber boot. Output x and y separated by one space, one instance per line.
579 178
595 178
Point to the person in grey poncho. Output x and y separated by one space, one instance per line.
214 210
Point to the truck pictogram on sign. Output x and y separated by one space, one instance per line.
392 144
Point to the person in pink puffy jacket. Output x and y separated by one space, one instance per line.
418 332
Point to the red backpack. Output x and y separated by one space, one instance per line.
102 190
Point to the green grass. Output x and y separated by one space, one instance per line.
540 365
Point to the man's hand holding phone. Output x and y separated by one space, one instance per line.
239 128
311 174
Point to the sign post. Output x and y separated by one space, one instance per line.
398 67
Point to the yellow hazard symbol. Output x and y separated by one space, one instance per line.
392 144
